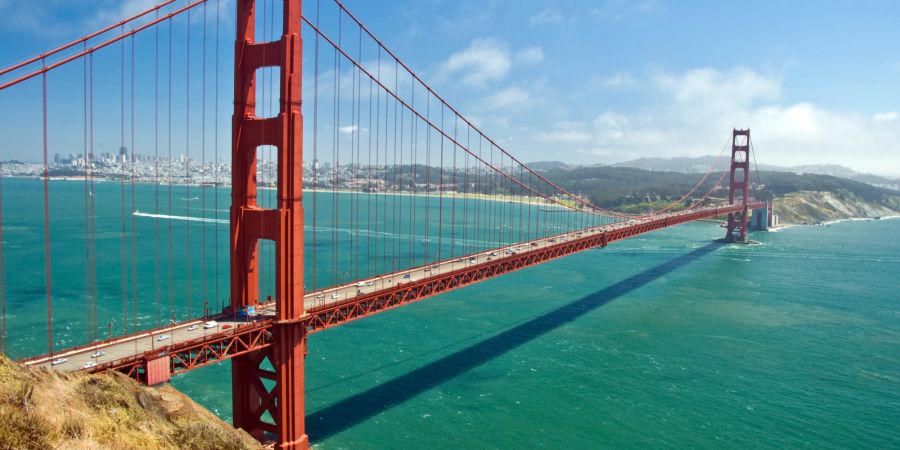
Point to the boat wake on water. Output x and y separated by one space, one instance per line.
184 218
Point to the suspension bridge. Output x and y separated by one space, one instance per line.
355 188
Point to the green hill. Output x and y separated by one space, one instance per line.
42 409
633 190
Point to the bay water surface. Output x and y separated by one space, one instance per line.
666 340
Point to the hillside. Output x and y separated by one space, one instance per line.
636 190
700 164
807 207
40 409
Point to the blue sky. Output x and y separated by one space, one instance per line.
607 81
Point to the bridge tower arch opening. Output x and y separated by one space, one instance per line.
739 186
268 384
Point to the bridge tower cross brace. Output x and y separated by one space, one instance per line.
739 185
264 401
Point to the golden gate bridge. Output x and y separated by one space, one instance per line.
315 87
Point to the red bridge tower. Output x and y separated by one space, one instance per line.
258 392
739 185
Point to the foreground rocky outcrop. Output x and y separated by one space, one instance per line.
809 207
41 409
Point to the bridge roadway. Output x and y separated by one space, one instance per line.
190 344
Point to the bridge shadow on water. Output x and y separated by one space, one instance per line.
357 408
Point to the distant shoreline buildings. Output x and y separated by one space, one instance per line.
183 170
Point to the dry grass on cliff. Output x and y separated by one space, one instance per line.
42 409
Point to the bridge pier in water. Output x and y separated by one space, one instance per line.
761 218
268 402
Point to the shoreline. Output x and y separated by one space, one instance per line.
533 201
831 222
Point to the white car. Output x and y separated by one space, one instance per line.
335 296
98 354
88 365
210 324
360 283
58 361
192 328
163 337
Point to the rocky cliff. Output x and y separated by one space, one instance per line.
814 207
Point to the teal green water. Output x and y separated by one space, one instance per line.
664 340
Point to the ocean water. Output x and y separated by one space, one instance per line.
666 340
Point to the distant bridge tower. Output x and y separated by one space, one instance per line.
268 401
739 187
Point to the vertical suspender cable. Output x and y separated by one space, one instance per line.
87 253
203 189
479 224
93 211
216 160
47 277
413 173
357 190
395 198
315 161
335 157
455 189
384 195
187 166
133 224
427 175
441 193
465 199
169 173
121 163
379 171
371 224
3 346
157 280
398 169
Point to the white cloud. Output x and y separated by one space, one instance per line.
712 87
483 61
486 61
507 98
350 129
886 116
547 17
618 80
565 137
530 55
115 13
695 110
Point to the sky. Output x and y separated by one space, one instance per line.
589 82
